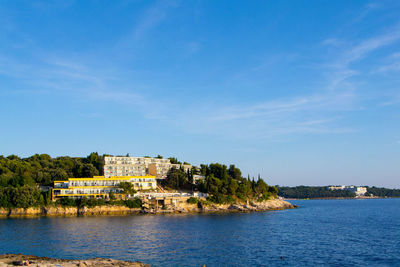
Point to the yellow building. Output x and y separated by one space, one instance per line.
99 186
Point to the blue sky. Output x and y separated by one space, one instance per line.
301 92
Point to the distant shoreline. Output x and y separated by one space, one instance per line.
333 198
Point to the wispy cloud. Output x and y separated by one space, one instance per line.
392 63
302 115
193 47
395 66
391 100
367 10
332 42
319 112
151 18
277 108
70 77
142 27
120 97
342 71
363 48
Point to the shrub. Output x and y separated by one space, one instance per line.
133 203
221 199
192 200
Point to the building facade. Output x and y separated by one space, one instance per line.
100 186
139 166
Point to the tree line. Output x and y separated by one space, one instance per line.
312 192
44 170
325 192
382 192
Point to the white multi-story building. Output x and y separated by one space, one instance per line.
358 190
139 166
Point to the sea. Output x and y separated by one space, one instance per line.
356 232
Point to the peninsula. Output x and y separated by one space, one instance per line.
114 185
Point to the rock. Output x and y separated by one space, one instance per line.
24 260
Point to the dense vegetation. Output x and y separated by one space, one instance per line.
23 197
225 185
383 192
43 169
324 192
312 192
19 177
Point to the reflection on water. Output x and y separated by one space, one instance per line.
334 232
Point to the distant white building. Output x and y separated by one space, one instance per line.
139 166
358 190
198 177
336 187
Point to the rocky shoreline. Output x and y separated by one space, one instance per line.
268 205
67 211
274 204
28 260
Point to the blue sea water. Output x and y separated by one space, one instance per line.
319 233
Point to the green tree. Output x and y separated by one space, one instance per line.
176 178
133 203
127 188
234 172
97 161
174 160
233 186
